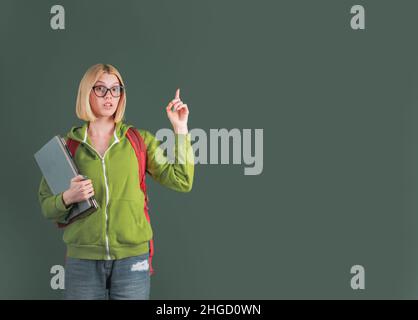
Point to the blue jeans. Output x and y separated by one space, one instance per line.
127 278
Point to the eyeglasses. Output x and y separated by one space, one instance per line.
101 91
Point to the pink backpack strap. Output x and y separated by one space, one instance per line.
141 154
72 146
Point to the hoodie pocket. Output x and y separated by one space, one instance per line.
86 231
127 222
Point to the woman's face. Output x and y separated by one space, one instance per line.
105 106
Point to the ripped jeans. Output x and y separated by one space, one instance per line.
127 278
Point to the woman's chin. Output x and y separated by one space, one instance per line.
108 111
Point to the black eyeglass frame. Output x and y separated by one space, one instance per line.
122 89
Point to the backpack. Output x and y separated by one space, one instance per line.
141 153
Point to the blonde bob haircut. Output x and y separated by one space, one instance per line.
83 107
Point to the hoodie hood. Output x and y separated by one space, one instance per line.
79 133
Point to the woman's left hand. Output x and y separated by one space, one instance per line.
178 114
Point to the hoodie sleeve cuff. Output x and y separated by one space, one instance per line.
59 203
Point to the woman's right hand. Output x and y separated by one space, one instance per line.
79 190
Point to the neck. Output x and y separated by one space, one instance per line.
101 127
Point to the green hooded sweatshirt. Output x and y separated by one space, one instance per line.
119 228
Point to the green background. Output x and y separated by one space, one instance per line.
339 113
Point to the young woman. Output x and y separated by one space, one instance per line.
108 250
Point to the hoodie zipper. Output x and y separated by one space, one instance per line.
107 189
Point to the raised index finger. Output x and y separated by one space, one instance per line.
177 94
